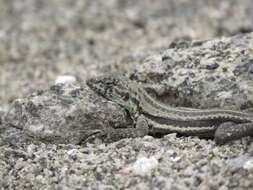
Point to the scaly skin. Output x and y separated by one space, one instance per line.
153 117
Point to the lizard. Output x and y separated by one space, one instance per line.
152 117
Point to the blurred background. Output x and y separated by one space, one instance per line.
41 39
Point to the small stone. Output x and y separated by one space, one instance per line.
248 164
65 79
212 66
143 166
241 162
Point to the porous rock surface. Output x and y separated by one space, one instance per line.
65 113
203 74
149 40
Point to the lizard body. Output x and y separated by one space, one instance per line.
153 117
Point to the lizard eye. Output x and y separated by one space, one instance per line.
126 97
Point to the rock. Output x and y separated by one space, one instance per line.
216 73
65 113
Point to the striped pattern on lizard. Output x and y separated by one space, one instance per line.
152 117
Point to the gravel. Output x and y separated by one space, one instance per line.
49 48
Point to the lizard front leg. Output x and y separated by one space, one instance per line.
232 131
114 134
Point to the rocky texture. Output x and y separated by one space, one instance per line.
65 113
203 74
183 163
151 41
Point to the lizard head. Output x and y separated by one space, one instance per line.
111 87
116 89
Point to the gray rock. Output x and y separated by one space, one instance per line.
65 113
216 73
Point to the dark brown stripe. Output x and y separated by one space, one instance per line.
202 113
190 123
